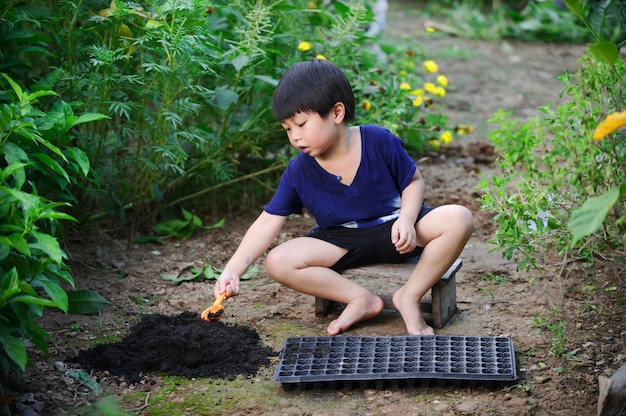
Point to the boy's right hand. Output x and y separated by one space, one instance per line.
227 282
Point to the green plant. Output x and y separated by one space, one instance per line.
519 20
187 86
494 281
600 18
551 166
206 271
557 346
606 21
185 227
36 164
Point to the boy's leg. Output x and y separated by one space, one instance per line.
303 264
443 233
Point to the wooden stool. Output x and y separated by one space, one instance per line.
385 279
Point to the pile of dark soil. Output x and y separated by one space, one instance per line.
182 345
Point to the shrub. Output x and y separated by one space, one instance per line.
551 166
38 165
188 87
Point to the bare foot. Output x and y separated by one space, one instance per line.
411 312
356 311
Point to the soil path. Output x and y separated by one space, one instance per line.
493 299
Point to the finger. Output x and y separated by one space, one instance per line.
233 287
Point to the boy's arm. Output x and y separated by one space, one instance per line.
412 198
403 234
256 240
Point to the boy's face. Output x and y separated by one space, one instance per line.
312 134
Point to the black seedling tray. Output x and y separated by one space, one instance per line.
363 362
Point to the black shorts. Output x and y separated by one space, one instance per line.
366 245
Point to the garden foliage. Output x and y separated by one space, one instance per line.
187 87
38 167
562 192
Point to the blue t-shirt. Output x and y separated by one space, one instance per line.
372 198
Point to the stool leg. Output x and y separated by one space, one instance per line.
444 301
322 306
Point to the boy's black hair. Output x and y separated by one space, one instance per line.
312 86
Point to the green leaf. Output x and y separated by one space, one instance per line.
35 300
5 250
15 86
9 285
576 6
55 291
50 146
52 164
18 242
37 94
14 348
86 379
218 224
240 61
81 159
9 170
57 216
48 245
172 227
225 97
254 269
73 121
210 273
604 51
195 273
272 81
85 302
590 216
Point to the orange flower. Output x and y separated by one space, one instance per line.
612 122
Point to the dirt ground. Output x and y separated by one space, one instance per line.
493 298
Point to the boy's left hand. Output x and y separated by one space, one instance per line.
403 235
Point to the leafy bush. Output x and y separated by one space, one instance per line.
531 21
37 166
188 86
559 186
551 166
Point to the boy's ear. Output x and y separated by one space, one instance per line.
338 112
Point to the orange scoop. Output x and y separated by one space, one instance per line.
214 313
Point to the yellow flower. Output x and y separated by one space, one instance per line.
434 145
467 129
430 29
312 5
405 86
612 122
320 56
366 105
402 73
430 66
304 46
442 80
417 93
430 87
417 101
445 137
439 92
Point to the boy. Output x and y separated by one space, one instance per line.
366 195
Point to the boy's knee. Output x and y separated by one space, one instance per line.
276 263
271 262
465 220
